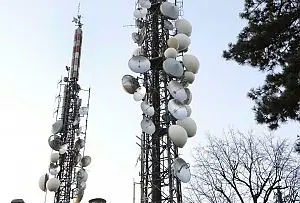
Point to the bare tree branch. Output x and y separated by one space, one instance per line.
240 168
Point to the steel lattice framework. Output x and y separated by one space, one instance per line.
70 115
157 150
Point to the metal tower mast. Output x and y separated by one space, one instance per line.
157 150
162 87
67 162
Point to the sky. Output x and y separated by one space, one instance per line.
36 38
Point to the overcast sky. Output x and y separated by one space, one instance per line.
36 44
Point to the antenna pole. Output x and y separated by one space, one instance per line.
68 139
160 65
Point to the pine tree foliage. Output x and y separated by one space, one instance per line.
271 43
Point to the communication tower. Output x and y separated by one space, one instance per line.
67 174
164 70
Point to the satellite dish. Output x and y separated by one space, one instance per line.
177 90
168 25
139 93
178 135
139 23
177 109
183 26
54 157
173 43
82 186
139 64
78 158
79 144
145 3
82 175
57 126
191 63
169 10
83 111
181 170
173 67
79 196
42 182
148 126
55 142
129 83
184 41
189 77
138 52
53 184
140 13
85 161
147 108
170 53
189 125
188 99
54 169
63 149
138 38
189 110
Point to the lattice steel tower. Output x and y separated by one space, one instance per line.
67 175
165 71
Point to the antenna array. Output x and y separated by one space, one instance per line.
67 173
164 71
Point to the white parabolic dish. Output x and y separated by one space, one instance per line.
173 67
85 161
184 41
140 13
57 126
148 126
173 43
189 125
178 135
169 10
42 182
189 77
183 26
170 53
191 63
139 94
177 109
139 64
177 90
147 108
53 184
129 83
181 170
54 157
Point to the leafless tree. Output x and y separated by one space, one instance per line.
245 168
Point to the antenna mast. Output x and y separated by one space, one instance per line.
165 70
67 175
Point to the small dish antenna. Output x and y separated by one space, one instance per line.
139 94
169 10
57 126
177 90
129 83
139 64
148 126
177 109
181 170
173 67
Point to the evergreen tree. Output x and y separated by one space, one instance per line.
271 43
